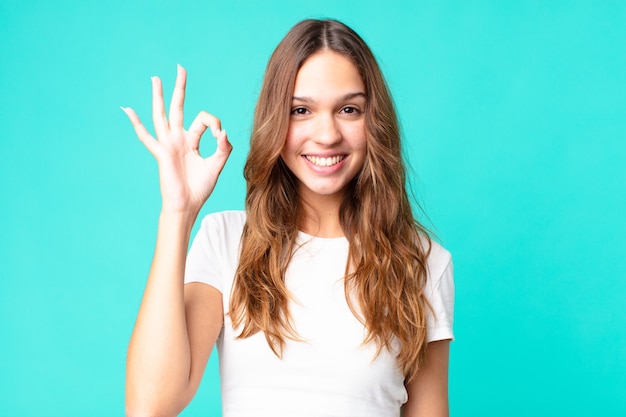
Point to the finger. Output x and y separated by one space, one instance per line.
143 134
223 145
200 124
178 99
223 150
158 108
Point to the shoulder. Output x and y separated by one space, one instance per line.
222 230
439 260
231 221
214 252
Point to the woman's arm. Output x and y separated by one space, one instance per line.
177 325
175 331
428 391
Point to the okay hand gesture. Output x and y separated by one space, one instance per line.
187 179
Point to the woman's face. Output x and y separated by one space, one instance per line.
326 144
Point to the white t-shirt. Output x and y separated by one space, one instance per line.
331 372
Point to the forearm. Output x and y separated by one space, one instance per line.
159 357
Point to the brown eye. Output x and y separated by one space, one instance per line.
350 110
299 111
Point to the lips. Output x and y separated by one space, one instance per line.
325 161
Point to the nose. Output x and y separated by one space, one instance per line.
327 130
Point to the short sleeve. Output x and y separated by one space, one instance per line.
440 294
214 251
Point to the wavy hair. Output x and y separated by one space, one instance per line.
386 268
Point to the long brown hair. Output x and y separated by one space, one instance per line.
386 268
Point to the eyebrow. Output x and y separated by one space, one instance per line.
345 97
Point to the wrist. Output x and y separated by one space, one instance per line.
177 219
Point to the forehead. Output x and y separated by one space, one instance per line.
328 73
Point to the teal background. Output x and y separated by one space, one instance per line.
514 115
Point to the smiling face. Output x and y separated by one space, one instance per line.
326 142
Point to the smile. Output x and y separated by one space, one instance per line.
325 162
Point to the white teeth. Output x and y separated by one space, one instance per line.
325 162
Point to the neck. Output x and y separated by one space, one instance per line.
320 216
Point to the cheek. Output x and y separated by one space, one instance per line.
358 136
296 136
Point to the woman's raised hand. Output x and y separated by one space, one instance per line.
187 179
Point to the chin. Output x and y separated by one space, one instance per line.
323 192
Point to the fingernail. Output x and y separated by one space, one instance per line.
124 109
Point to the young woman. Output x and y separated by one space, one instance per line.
325 296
